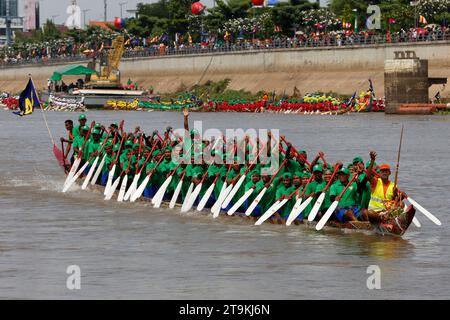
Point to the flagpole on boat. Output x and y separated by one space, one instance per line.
43 112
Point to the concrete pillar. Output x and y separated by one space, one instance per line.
405 80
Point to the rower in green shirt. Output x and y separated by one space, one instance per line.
78 142
82 122
257 185
348 208
94 145
317 183
284 191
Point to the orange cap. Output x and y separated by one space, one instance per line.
385 167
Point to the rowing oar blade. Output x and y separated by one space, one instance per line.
222 190
110 180
139 191
316 208
239 203
90 173
206 197
327 216
294 214
274 208
233 192
174 199
72 171
192 197
218 205
187 197
123 186
255 202
162 190
77 175
112 189
296 205
133 187
424 211
99 170
159 196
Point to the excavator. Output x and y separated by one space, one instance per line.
107 66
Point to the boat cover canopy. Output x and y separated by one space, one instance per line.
71 70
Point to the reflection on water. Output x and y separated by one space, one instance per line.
134 251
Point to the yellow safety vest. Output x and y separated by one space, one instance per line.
378 197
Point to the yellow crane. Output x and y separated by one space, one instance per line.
108 67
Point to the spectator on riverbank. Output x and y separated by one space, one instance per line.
68 49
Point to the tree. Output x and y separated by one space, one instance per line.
50 32
287 15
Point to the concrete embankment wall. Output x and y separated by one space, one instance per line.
341 70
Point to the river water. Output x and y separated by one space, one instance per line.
134 251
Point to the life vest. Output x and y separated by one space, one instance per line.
378 197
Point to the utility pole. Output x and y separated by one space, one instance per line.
121 5
8 23
84 16
106 10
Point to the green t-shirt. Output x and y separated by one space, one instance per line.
78 143
326 201
287 208
93 147
312 187
350 197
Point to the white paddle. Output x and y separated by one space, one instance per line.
94 165
233 191
299 206
319 202
188 196
424 211
239 203
123 186
132 187
327 215
77 161
193 196
72 171
138 193
99 170
294 214
113 188
90 173
206 197
159 196
263 191
218 205
110 180
333 206
77 175
173 201
274 208
255 202
241 180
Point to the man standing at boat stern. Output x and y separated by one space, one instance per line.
384 191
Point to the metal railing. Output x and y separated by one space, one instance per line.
294 43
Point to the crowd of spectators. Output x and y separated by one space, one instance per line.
68 49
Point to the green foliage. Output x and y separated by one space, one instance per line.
287 15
